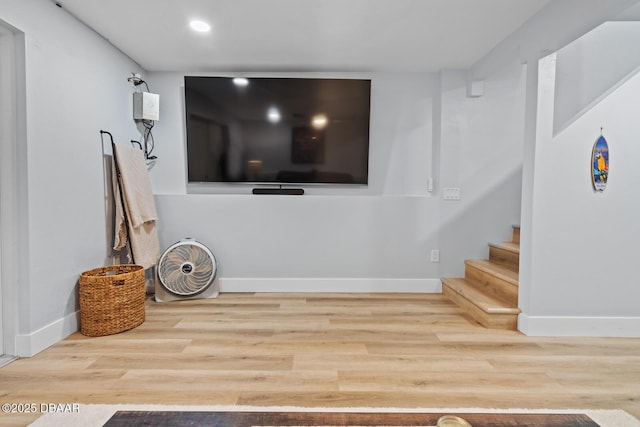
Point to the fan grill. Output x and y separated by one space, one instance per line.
186 268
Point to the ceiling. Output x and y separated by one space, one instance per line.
305 35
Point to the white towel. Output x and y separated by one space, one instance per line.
139 206
134 178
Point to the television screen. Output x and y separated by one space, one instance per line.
277 130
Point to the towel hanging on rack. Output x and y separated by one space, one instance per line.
137 218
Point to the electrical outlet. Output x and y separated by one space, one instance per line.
435 255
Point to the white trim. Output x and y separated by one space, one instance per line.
6 138
9 192
31 344
330 285
579 326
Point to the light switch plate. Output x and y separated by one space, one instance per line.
451 193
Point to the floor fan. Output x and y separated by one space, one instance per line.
186 270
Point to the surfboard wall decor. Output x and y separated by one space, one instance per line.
600 164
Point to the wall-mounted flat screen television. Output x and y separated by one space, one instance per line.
277 130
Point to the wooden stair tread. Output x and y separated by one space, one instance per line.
507 246
503 271
487 303
488 292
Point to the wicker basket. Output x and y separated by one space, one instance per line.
111 299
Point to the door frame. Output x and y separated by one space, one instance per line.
12 182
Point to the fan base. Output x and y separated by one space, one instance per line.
162 295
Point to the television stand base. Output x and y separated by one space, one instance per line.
281 191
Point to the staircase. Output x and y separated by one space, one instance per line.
489 289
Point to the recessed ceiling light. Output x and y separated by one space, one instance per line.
200 26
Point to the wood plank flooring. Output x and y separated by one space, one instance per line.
319 350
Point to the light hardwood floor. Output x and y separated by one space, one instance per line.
381 350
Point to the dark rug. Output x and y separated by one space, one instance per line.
331 419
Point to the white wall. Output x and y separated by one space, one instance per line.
360 238
363 239
480 153
309 243
75 86
609 54
553 28
585 247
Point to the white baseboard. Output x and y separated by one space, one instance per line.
573 326
329 285
28 345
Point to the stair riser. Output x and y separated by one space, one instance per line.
504 256
515 236
491 321
492 285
